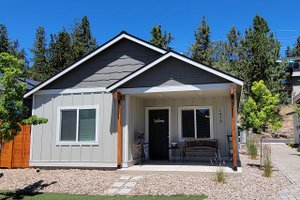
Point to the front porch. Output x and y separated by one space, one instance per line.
169 118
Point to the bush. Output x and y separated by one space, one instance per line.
220 175
251 144
267 162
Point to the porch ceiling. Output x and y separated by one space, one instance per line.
183 94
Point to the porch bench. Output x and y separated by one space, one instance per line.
200 146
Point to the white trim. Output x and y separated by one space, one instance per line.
210 108
71 91
70 164
77 108
147 121
139 90
187 60
125 137
31 128
121 36
296 74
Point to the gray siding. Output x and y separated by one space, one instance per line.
173 72
107 67
221 108
46 152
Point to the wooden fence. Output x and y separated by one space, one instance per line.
16 153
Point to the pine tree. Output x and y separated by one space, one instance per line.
296 50
83 42
201 50
160 39
4 40
60 54
289 52
261 51
40 63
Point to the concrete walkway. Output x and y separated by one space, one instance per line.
287 160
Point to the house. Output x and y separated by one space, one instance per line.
294 82
96 106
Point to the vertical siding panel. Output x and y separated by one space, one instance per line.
109 127
47 129
38 129
56 150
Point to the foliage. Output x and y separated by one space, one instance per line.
59 52
12 111
63 49
251 144
40 63
13 48
83 42
261 52
220 175
161 39
202 50
296 50
260 110
267 162
292 144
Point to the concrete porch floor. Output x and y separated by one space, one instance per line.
187 167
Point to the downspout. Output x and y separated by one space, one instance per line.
233 127
120 98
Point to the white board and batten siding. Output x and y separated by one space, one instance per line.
47 152
220 108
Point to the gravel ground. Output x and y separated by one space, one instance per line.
251 184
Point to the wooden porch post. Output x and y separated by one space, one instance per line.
119 98
233 127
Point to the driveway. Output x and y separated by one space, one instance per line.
287 160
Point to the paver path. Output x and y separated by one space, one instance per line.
123 186
287 160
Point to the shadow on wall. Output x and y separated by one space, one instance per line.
30 190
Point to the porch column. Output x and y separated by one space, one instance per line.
119 98
233 127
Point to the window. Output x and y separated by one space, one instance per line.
195 122
77 124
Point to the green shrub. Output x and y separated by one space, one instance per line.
251 144
291 144
267 162
220 175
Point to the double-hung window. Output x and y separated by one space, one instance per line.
195 122
77 124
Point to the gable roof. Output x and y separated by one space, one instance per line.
182 58
165 55
122 35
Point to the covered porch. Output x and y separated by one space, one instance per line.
171 115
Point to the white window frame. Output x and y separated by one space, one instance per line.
180 109
77 108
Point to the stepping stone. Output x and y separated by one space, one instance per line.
124 191
136 178
130 184
125 177
118 184
111 191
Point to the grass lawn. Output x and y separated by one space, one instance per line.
47 196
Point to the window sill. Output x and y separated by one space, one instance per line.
77 143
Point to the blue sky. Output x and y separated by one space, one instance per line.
108 18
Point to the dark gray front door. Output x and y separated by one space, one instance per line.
159 134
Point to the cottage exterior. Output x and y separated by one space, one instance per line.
96 106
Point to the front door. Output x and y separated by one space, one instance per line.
159 134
